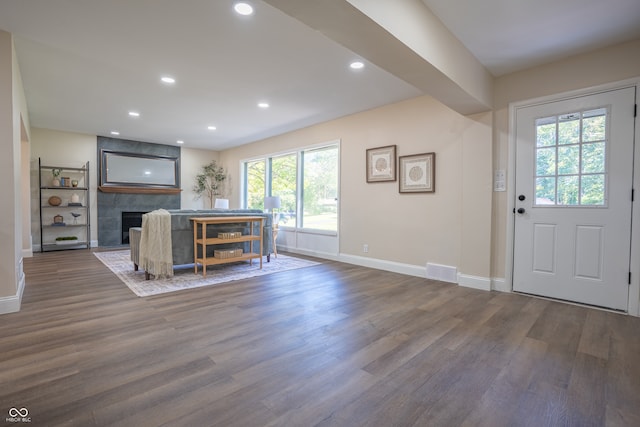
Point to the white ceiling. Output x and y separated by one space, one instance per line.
512 35
86 63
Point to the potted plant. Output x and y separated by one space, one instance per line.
56 174
66 240
211 181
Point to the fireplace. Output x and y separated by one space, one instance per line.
114 209
130 219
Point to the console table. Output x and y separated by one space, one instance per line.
203 240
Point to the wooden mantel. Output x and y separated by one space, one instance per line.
138 190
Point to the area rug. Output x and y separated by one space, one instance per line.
184 277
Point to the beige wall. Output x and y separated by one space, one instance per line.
25 196
7 166
476 196
25 149
613 64
191 163
410 229
12 110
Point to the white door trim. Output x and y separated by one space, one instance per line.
634 288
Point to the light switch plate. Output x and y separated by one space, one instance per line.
500 180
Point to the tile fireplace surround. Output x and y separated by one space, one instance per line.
110 210
111 205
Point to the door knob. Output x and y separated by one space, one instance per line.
521 197
520 210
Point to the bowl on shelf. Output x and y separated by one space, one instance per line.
54 201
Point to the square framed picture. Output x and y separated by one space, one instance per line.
418 173
381 164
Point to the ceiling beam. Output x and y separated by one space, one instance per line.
404 38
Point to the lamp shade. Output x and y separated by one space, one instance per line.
222 204
272 202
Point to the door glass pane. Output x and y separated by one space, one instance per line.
592 190
594 125
568 190
568 159
546 132
593 157
571 163
546 191
569 129
283 184
546 161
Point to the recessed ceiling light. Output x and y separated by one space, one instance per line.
263 104
134 114
211 127
115 132
243 8
357 65
179 141
168 80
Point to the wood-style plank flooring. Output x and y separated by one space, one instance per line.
329 345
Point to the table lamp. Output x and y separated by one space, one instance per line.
222 204
271 203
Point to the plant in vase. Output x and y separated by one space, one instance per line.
66 240
211 181
56 177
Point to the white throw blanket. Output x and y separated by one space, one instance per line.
155 244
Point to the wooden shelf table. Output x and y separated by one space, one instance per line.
203 241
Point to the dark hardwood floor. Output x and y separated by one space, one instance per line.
329 345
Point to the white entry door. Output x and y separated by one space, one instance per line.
574 165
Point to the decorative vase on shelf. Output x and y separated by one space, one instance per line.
55 173
75 198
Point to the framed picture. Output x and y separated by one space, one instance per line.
381 164
418 173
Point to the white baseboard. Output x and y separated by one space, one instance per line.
37 248
396 267
11 304
323 255
443 273
500 284
475 282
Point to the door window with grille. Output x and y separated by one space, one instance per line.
571 160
